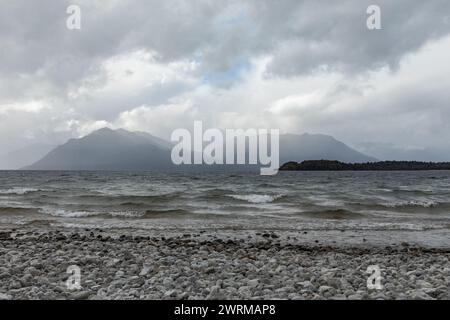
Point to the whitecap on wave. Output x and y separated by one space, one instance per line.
413 203
84 214
18 191
256 198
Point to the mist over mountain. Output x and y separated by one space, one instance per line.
388 152
318 147
24 156
108 149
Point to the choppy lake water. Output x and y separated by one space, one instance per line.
314 200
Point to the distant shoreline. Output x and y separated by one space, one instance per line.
327 165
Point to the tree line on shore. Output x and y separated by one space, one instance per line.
330 165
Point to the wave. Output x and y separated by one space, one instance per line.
128 214
70 214
419 206
19 191
130 199
255 198
412 204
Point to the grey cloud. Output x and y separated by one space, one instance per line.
41 60
335 37
110 106
301 35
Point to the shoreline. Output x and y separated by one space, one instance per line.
212 264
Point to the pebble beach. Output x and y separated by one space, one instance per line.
211 265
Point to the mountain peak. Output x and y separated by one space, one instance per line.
104 130
109 149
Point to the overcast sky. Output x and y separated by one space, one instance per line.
301 66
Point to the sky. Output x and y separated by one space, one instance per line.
294 65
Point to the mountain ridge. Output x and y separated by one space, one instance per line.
108 149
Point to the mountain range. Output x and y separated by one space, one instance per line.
108 149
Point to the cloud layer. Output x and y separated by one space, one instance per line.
289 64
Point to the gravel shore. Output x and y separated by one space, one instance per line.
201 265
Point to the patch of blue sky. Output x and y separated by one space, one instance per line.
229 76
